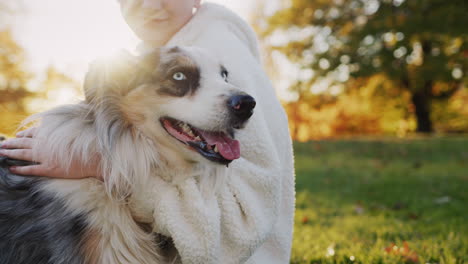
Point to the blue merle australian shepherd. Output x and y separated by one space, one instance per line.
146 116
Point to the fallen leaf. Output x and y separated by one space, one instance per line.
413 216
417 164
398 206
404 252
442 200
359 209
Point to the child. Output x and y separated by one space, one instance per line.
250 218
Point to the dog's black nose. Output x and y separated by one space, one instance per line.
242 106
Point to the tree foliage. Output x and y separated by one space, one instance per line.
421 46
21 92
13 76
14 79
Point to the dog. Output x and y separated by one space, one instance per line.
157 115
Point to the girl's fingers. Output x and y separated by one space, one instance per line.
36 170
18 143
27 133
44 171
20 154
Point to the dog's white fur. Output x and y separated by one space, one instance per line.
120 123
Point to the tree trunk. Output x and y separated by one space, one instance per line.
422 104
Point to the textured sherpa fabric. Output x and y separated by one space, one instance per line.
250 218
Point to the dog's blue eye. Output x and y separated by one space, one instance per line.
178 76
224 74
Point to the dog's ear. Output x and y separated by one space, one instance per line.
112 74
120 73
148 63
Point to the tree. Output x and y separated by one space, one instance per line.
13 77
419 45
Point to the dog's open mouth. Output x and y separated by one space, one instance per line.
216 146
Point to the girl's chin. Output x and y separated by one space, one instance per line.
152 24
157 40
155 35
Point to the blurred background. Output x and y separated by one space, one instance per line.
371 66
376 95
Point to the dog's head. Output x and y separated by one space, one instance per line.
180 98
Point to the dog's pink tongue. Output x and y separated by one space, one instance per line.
228 148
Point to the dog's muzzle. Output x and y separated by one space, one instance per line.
241 107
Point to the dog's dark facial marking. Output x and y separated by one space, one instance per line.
224 73
175 49
180 76
35 227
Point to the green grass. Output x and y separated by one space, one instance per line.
357 198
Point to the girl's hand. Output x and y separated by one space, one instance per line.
21 148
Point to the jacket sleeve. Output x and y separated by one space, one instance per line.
249 200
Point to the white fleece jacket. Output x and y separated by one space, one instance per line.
250 218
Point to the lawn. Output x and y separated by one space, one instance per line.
382 201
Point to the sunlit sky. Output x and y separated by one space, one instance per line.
69 33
